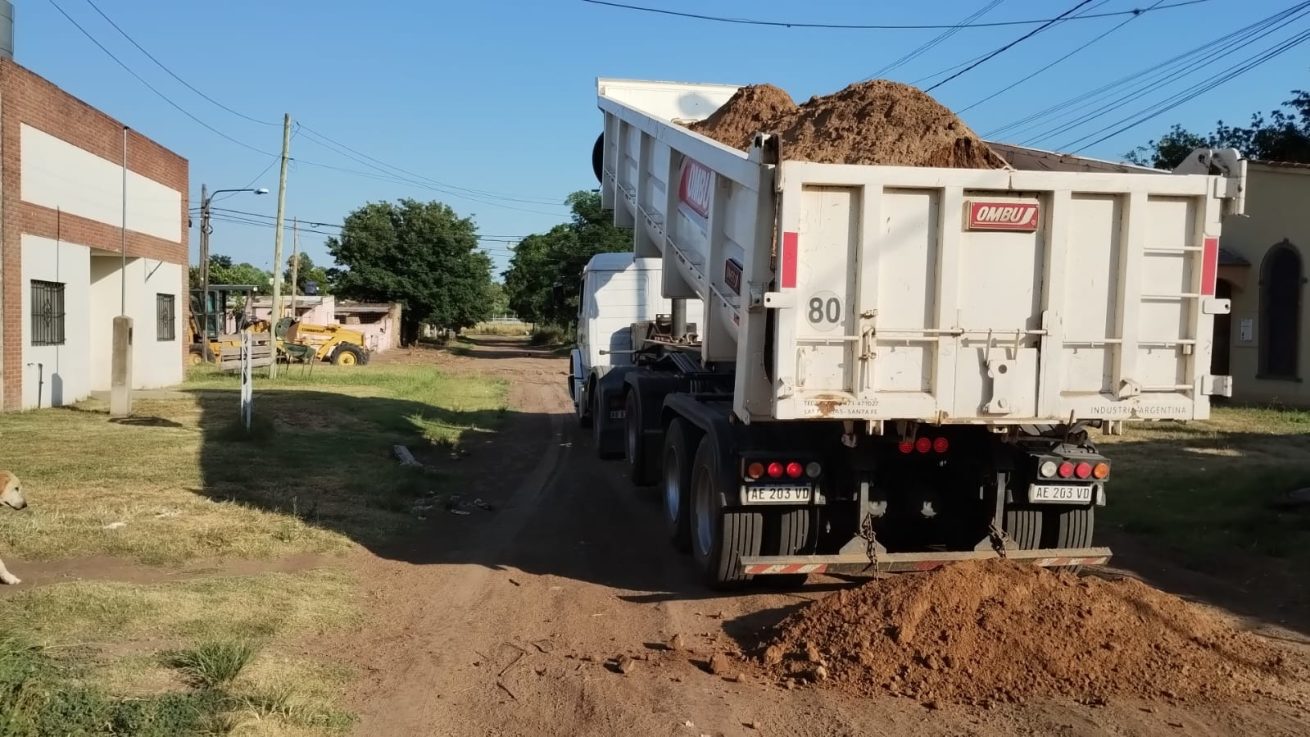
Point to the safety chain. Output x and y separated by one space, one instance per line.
999 539
870 539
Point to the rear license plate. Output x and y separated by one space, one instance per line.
778 494
1060 494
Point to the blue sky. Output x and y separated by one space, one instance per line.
498 96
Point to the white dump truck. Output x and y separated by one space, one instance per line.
849 368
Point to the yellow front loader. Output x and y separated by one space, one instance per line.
303 341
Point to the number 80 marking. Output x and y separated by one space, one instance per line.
824 310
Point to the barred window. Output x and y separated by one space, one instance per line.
164 312
47 313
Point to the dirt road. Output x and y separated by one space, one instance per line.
506 622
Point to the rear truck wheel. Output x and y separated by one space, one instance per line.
195 359
719 536
1021 522
582 405
679 447
347 355
600 426
786 532
1024 526
1073 527
640 468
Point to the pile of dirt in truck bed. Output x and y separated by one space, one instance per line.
996 632
874 122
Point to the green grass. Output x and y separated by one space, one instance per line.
213 664
1208 489
180 655
502 329
43 694
185 482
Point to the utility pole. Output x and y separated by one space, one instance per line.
205 230
295 260
277 235
120 361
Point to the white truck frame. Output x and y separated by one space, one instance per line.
846 311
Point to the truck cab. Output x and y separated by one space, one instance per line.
617 291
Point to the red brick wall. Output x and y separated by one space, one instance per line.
26 98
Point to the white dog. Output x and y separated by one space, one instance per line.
11 497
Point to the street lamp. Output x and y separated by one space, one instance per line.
206 198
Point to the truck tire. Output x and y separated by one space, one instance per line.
1073 527
787 532
719 537
641 469
600 423
581 409
348 355
1024 527
679 447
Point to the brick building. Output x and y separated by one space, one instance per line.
61 275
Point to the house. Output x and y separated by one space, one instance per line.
64 275
378 321
1265 343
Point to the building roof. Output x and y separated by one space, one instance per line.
1229 258
359 308
1035 159
1281 164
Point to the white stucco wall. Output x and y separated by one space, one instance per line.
57 174
155 363
65 367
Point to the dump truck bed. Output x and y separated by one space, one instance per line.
1073 289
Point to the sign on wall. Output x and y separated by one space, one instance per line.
1246 330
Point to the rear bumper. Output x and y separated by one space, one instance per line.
859 564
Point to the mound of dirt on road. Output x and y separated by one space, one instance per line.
989 632
874 122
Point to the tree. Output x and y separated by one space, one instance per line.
1284 135
420 254
307 273
499 299
542 281
223 271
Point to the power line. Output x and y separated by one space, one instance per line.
1096 38
496 195
170 72
1091 98
873 26
417 183
1192 92
1011 45
474 196
1157 76
151 87
935 41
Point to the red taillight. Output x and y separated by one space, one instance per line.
1066 470
795 470
755 470
1083 470
941 445
906 446
775 470
923 445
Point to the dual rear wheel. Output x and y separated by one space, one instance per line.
696 493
